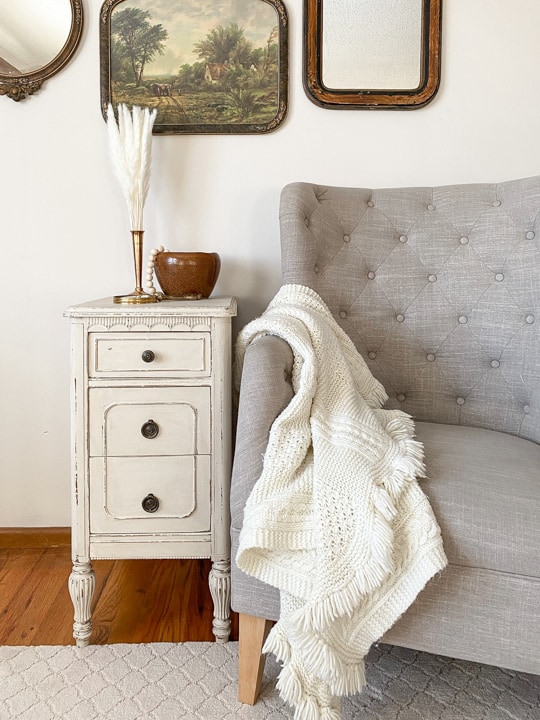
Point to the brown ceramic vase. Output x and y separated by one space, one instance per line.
187 275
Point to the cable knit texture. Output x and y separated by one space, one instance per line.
337 520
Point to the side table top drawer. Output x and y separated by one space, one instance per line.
174 354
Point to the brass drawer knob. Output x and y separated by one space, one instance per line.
148 356
150 430
150 503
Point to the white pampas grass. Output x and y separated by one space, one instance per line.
130 146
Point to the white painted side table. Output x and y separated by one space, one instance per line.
151 433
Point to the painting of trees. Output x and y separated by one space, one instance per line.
136 41
222 44
202 71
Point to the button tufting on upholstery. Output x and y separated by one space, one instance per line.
481 308
306 222
526 409
460 401
400 397
431 207
316 269
342 314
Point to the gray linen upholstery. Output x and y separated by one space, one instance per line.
449 273
439 288
486 499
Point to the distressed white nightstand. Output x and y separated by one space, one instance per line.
151 432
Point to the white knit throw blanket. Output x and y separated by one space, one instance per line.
337 520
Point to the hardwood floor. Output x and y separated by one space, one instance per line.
135 601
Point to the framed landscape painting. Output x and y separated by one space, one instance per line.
207 66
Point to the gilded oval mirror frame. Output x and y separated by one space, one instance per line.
18 85
337 94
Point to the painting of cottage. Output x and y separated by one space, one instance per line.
205 66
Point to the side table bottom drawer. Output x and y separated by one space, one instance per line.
175 490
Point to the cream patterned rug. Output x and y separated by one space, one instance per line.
197 681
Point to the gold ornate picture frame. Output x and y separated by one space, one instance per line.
205 70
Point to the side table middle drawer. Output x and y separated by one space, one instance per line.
149 421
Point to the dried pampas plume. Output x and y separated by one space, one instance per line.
130 146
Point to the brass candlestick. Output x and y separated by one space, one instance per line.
138 295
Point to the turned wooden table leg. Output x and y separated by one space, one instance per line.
253 631
82 583
220 588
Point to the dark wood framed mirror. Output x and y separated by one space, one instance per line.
37 39
365 54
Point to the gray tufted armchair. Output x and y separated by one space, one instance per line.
439 288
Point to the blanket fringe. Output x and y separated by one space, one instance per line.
345 599
322 662
277 645
409 463
401 426
342 602
306 706
384 504
374 392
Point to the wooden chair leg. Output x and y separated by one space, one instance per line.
252 633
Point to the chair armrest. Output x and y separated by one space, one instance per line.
265 390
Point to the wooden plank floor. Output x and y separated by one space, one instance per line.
135 601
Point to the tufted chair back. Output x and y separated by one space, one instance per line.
439 288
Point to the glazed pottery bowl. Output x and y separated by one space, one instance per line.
187 275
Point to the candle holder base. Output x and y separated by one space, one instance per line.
136 298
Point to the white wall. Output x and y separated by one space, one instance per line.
65 235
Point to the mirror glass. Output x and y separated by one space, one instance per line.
361 53
32 33
372 45
37 38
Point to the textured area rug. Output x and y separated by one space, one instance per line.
197 681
